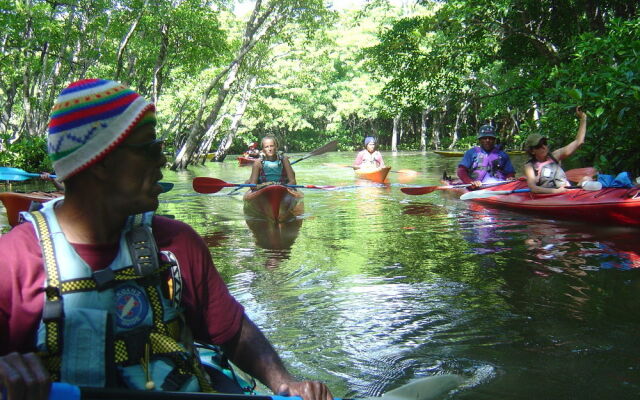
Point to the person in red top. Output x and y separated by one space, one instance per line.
103 144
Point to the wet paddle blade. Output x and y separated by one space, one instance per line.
418 190
406 171
429 388
209 185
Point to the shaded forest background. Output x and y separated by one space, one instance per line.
421 76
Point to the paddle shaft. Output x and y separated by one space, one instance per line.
64 391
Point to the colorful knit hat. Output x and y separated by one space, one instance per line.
89 119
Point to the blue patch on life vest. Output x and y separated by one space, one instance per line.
132 306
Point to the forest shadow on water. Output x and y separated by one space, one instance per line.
371 288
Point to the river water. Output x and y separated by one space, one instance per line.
372 288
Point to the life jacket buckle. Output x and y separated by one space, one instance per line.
143 250
52 310
103 278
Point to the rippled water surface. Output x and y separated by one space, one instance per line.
372 288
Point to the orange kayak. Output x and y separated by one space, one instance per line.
275 203
377 175
15 202
245 160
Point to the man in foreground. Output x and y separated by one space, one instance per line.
96 291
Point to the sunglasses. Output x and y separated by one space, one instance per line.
152 149
540 144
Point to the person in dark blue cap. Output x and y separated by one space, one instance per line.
485 163
369 158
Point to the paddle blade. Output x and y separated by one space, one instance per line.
204 184
418 190
331 146
13 177
578 174
431 387
166 186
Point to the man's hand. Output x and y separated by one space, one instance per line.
24 377
308 390
476 185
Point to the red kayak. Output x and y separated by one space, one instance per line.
275 203
377 175
245 160
611 206
15 202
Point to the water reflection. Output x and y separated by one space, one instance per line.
379 288
277 238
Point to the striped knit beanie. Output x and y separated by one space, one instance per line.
89 119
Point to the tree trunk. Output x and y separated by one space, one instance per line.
456 128
423 129
256 28
125 41
394 135
221 153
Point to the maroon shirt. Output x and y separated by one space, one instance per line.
212 313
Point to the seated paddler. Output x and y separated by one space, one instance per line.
97 291
272 167
543 170
486 163
368 158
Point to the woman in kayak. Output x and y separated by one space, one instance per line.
369 158
272 167
543 171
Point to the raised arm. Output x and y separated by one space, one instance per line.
251 351
569 149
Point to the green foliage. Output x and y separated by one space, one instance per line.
28 154
604 76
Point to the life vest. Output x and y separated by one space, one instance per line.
488 167
119 326
549 173
273 171
369 160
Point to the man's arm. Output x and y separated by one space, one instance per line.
251 351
